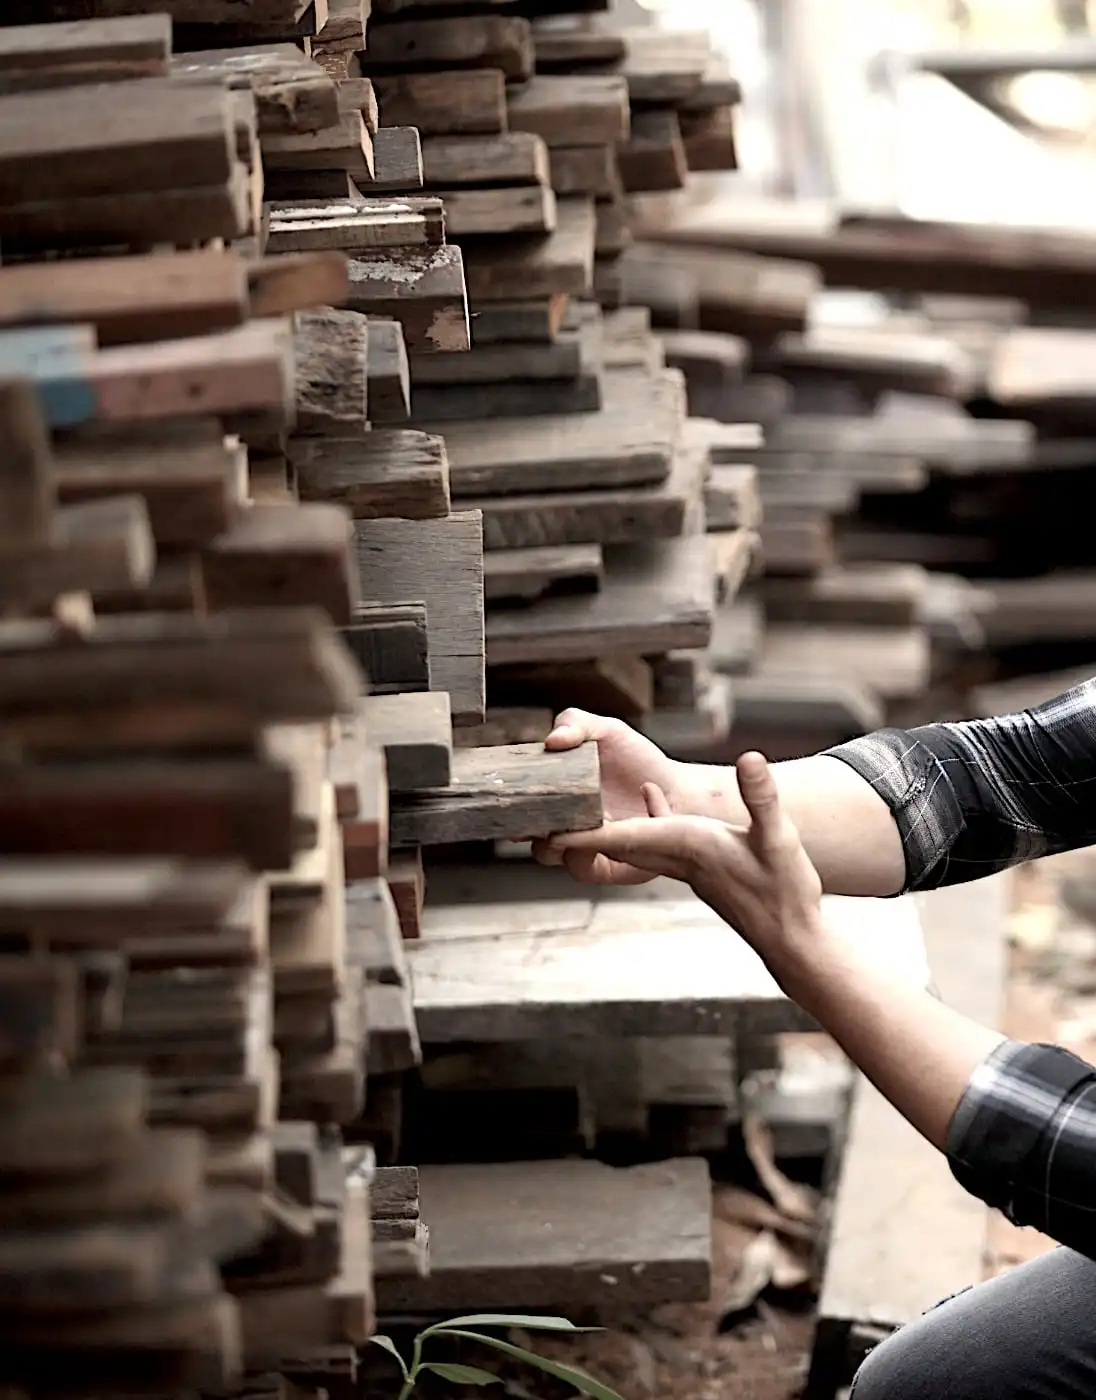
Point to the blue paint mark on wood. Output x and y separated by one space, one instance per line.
57 360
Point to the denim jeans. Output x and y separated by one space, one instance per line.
1029 1334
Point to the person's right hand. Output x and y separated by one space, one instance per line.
628 761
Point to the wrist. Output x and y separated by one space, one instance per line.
804 958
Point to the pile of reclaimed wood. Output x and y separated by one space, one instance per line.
969 386
563 425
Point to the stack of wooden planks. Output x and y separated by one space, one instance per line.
921 476
563 427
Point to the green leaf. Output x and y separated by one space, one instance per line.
462 1375
387 1344
533 1324
585 1384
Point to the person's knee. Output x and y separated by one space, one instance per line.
893 1371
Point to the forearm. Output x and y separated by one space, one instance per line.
918 1052
845 826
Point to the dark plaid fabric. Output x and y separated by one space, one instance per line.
971 799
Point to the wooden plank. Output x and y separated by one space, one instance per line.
561 358
665 68
191 479
415 732
389 373
535 322
292 282
560 48
27 493
613 516
573 110
277 552
87 51
655 597
893 1186
385 473
511 400
292 94
507 210
389 641
98 547
478 41
439 562
424 291
548 1234
331 361
510 158
149 134
450 103
653 158
399 159
632 440
158 297
532 268
525 953
506 793
589 170
346 145
357 95
529 572
355 227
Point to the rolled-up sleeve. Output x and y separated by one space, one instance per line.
975 797
1023 1139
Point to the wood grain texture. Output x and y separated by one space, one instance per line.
384 473
416 734
550 1234
506 793
530 268
424 291
655 597
440 563
450 103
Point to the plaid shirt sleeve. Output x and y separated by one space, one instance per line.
976 797
1023 1139
971 799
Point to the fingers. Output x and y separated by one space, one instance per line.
575 727
656 800
768 827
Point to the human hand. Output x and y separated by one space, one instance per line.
758 878
627 761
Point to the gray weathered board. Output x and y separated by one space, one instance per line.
439 563
904 1234
520 952
560 1234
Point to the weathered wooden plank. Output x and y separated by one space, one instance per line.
346 145
158 297
477 41
292 94
573 110
525 954
88 51
356 226
512 400
647 1229
589 170
331 363
561 358
529 572
416 734
389 642
632 440
655 597
384 473
535 322
389 373
510 158
424 291
615 516
27 491
439 562
450 103
512 209
653 158
506 793
398 159
532 268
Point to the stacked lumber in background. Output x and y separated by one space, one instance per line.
952 428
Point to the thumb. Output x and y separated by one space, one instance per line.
762 800
575 727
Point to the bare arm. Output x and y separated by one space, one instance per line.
847 829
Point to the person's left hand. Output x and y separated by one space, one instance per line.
758 878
